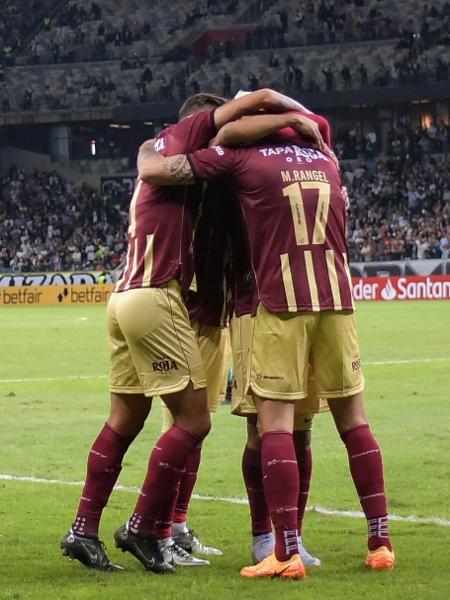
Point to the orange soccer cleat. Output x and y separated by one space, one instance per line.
381 559
272 567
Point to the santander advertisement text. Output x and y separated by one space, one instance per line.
431 287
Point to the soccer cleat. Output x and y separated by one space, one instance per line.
272 567
89 551
190 542
307 559
144 548
178 557
381 559
262 546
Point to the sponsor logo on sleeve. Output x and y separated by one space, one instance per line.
160 144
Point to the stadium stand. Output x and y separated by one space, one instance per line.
110 53
400 208
59 57
400 141
49 224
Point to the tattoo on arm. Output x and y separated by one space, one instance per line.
179 169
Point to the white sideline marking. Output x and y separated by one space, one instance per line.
404 362
75 377
26 322
318 509
43 379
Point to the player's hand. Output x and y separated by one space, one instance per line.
308 128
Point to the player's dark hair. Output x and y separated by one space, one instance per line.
199 101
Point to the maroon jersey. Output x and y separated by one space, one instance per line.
295 218
161 220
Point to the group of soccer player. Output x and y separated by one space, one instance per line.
259 253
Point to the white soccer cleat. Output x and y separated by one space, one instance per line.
178 557
262 546
189 541
307 559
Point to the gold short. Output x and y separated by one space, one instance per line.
241 331
214 346
284 345
153 348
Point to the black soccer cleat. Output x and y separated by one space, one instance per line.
144 548
89 551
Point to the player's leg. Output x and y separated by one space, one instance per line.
180 529
366 468
166 355
302 445
126 419
127 416
303 420
263 541
303 452
338 377
212 342
155 507
281 486
183 535
277 378
242 405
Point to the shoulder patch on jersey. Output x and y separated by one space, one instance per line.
220 151
160 144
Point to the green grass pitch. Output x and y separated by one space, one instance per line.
50 416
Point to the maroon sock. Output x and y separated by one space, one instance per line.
154 509
366 467
253 479
103 467
304 460
187 484
281 485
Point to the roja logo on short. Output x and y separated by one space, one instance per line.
356 363
164 365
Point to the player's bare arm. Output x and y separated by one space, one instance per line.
265 99
146 151
248 130
163 170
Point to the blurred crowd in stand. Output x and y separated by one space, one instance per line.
48 224
400 203
400 208
351 143
310 46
